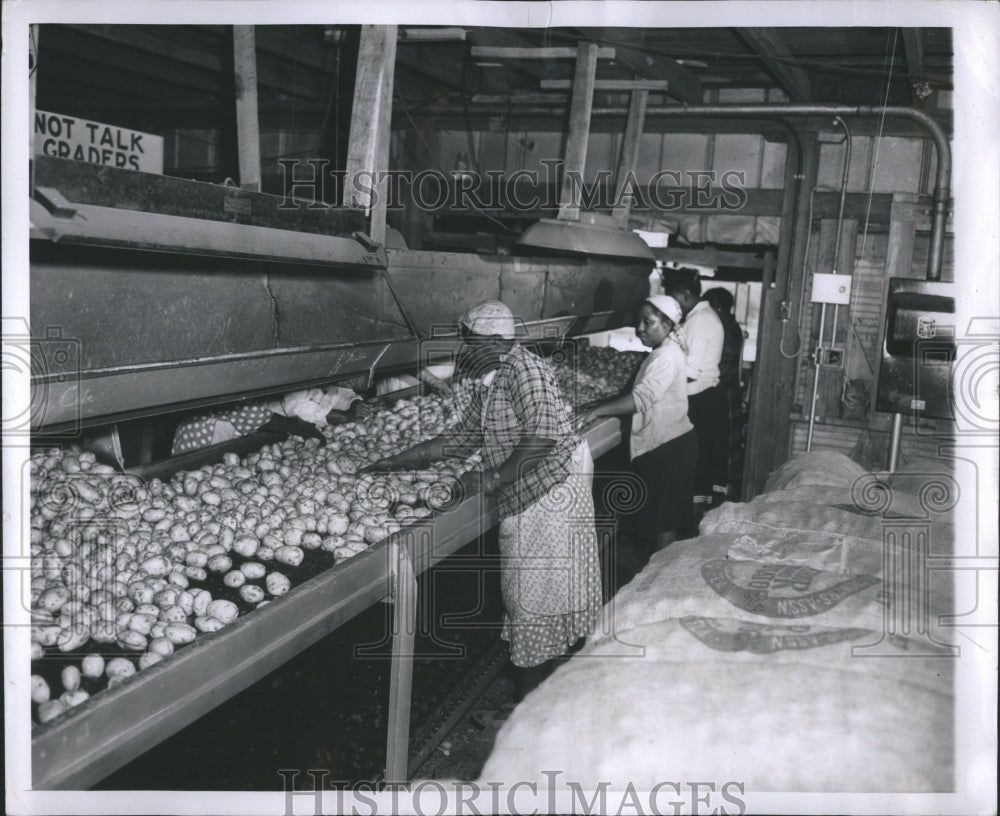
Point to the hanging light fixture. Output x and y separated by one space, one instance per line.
591 234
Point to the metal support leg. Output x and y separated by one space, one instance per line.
895 434
817 363
404 621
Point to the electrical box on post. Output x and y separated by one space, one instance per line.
830 288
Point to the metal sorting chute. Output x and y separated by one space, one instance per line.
152 294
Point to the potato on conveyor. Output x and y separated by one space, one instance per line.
144 581
39 689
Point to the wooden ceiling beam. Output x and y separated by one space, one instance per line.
275 41
521 72
165 63
625 85
103 63
518 53
710 256
913 46
433 68
137 37
552 118
684 84
279 74
773 50
287 42
527 98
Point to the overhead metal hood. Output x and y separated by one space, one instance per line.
592 234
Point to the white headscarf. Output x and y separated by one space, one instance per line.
491 317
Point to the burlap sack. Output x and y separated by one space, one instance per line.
765 514
800 651
776 707
815 468
698 577
840 554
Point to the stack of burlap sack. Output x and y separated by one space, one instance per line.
795 645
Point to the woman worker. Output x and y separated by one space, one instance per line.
541 473
662 444
703 336
730 369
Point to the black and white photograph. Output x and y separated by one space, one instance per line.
500 407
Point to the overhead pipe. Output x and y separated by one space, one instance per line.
942 191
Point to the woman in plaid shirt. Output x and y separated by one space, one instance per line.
541 473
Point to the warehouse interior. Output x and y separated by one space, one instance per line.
236 256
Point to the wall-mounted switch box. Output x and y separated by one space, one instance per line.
830 288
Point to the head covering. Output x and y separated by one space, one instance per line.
667 305
491 317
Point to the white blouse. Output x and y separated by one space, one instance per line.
703 335
661 401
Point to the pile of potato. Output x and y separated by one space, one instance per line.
594 373
124 567
123 571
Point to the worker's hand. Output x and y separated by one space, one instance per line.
360 410
335 417
293 426
584 416
386 465
438 386
469 484
491 483
308 431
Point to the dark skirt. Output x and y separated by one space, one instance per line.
667 473
709 413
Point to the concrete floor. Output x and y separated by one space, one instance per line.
464 751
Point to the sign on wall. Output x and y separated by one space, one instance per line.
68 137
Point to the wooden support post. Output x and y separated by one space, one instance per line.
903 218
579 130
247 124
630 152
772 394
404 624
34 32
368 148
837 318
